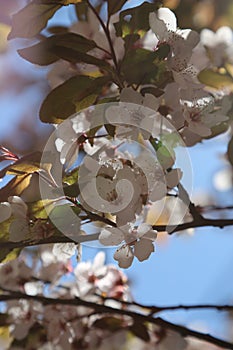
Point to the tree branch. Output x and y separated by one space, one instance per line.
171 229
98 308
152 309
221 223
183 194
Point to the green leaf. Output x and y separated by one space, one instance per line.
58 29
29 21
65 221
74 55
72 190
140 331
229 69
91 133
3 319
40 209
166 157
86 102
59 2
7 254
135 19
113 324
141 66
71 177
162 52
4 31
36 335
230 151
4 229
216 79
44 52
23 168
15 187
138 66
26 165
115 6
111 129
152 90
63 101
81 10
130 40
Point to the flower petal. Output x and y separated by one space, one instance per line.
98 261
130 95
111 236
64 251
168 17
5 211
173 177
124 256
158 27
143 229
143 249
18 206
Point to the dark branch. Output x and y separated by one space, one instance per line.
183 194
98 308
221 223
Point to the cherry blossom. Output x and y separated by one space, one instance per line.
88 273
13 274
15 206
164 24
218 45
5 211
160 340
19 227
54 266
138 242
99 278
24 315
110 189
202 116
67 138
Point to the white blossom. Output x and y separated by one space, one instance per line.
138 242
164 24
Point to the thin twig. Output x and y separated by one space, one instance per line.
152 309
106 31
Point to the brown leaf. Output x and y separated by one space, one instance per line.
15 187
30 20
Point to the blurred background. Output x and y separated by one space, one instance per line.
188 268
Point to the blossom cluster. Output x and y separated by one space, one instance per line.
59 326
69 326
183 111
